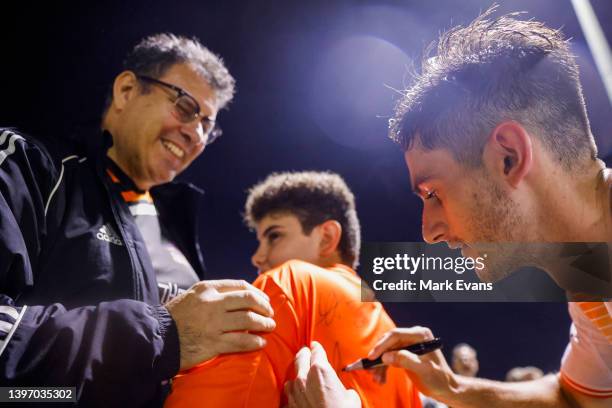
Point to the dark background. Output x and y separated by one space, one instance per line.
315 89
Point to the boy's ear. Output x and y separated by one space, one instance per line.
331 232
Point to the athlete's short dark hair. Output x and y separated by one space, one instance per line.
496 69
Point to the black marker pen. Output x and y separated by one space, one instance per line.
418 348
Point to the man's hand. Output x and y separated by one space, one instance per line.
317 385
215 317
430 372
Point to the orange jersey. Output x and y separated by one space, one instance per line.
310 303
586 366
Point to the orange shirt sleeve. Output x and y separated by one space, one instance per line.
227 381
254 379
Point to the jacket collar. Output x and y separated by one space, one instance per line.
96 143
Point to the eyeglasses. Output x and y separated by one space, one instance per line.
186 109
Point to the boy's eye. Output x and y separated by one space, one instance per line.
273 236
430 194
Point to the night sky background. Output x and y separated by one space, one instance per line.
315 87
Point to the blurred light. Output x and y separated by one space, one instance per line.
359 70
596 98
596 40
351 96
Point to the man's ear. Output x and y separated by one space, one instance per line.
331 232
509 152
125 88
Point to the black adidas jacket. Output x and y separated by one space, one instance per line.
79 304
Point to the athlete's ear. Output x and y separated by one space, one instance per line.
331 232
124 88
508 152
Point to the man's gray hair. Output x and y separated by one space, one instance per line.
154 55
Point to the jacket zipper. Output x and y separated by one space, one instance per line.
137 279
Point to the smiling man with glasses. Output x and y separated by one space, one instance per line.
100 268
187 109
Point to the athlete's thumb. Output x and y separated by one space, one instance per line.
402 359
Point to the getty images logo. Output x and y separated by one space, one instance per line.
107 233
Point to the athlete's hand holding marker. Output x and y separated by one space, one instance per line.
416 348
317 385
430 371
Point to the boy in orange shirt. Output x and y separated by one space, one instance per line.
309 240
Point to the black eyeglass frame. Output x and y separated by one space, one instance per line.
214 132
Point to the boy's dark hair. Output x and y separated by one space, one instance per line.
313 197
493 70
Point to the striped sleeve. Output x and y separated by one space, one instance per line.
10 317
7 144
586 366
581 389
27 176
